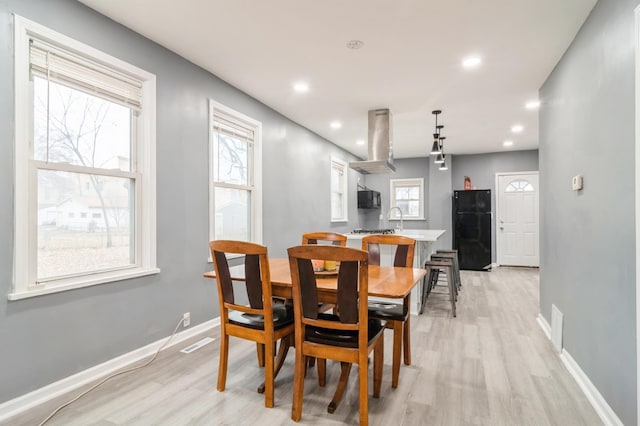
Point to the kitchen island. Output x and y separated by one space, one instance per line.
424 247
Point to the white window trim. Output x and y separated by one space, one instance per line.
392 197
345 192
256 193
25 184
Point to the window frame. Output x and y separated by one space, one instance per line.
256 173
25 174
410 182
343 190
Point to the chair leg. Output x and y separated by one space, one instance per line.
363 385
260 351
268 375
342 385
285 344
224 357
298 385
397 353
378 363
406 336
406 340
452 294
322 372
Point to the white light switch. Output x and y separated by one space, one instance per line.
576 183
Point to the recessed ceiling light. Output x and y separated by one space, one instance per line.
517 128
532 104
359 142
355 44
507 143
471 61
336 124
301 87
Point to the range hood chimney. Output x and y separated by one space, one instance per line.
380 159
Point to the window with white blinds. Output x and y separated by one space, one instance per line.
85 165
235 201
338 190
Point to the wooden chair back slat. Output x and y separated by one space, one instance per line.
253 280
405 248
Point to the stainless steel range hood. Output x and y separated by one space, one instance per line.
380 159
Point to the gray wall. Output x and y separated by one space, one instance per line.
588 237
50 337
440 203
482 169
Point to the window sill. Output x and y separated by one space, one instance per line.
397 219
339 220
80 282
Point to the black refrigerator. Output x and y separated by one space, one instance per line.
472 228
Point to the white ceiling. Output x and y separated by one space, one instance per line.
410 61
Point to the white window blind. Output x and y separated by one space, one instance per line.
226 125
63 66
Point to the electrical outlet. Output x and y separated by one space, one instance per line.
186 319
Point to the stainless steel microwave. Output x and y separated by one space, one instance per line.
368 199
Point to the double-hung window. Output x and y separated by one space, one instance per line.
408 195
84 165
235 176
338 190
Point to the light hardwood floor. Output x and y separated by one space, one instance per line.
492 365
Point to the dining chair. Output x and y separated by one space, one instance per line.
320 237
262 321
348 336
331 237
396 315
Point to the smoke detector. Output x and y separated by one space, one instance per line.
355 44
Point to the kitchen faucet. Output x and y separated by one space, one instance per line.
401 217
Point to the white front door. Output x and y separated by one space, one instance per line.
517 220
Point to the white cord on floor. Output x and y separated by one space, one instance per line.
113 375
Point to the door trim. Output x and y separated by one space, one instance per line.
497 187
637 193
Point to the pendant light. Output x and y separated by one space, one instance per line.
443 166
440 158
435 148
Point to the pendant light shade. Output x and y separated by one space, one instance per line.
443 166
435 149
439 159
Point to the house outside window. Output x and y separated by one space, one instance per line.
84 140
408 195
235 175
339 190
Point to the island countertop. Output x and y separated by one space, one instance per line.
429 235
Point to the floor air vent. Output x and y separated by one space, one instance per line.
556 327
197 345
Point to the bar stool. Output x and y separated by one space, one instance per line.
434 267
456 264
448 273
454 260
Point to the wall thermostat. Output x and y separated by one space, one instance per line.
576 183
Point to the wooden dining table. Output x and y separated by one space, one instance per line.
384 281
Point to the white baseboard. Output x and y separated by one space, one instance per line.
607 415
22 403
544 325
